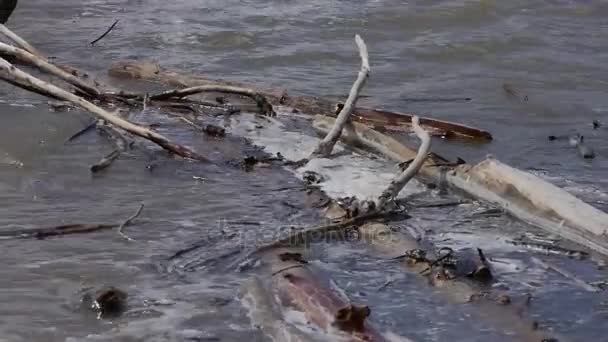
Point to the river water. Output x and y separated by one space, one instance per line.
552 51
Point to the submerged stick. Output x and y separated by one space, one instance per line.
66 229
120 145
105 33
19 41
397 184
326 146
20 76
43 65
264 105
128 221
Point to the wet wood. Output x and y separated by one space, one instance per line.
66 229
527 197
9 71
458 285
42 64
310 105
299 286
119 142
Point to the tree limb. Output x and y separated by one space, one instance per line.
19 76
264 105
19 41
326 146
397 184
43 65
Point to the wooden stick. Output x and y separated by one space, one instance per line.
397 184
128 221
264 105
43 65
326 146
19 41
105 33
8 70
120 145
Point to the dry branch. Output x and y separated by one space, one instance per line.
397 184
19 41
326 146
8 70
43 65
264 106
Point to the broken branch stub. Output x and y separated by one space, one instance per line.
264 106
326 146
43 65
7 70
399 183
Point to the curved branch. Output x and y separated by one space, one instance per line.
326 146
264 106
399 183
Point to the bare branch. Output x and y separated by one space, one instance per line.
105 33
7 70
397 184
43 65
326 146
19 41
264 105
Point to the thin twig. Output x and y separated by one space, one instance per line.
326 146
128 221
399 183
83 131
105 33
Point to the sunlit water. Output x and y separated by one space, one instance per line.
553 51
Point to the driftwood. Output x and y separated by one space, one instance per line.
296 284
326 146
9 71
264 107
149 71
42 64
522 194
265 314
66 229
19 41
458 285
397 184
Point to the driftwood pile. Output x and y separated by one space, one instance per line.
293 280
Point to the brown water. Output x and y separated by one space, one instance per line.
553 51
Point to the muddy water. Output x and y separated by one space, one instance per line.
553 51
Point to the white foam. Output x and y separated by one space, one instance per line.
348 174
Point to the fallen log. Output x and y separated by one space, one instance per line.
522 194
149 71
299 286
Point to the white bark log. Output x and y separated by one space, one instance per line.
326 146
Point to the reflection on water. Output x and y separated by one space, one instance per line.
554 51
